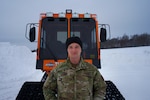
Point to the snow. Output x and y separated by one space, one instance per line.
128 68
17 65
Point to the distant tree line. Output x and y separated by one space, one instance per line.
126 41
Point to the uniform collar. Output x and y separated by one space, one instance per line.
81 65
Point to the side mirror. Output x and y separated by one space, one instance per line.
103 34
32 34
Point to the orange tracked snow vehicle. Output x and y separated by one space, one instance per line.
53 30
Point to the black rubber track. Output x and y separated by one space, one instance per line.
112 93
33 91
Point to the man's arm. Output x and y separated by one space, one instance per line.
49 87
99 87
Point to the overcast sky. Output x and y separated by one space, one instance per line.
124 16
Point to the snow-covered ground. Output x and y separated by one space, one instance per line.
128 68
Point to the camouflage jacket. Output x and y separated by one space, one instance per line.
83 82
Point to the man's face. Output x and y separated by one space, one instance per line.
74 50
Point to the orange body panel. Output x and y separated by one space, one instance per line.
48 65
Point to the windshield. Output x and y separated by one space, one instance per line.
85 29
53 38
54 34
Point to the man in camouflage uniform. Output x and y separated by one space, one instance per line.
74 79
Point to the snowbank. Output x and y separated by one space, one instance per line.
17 65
